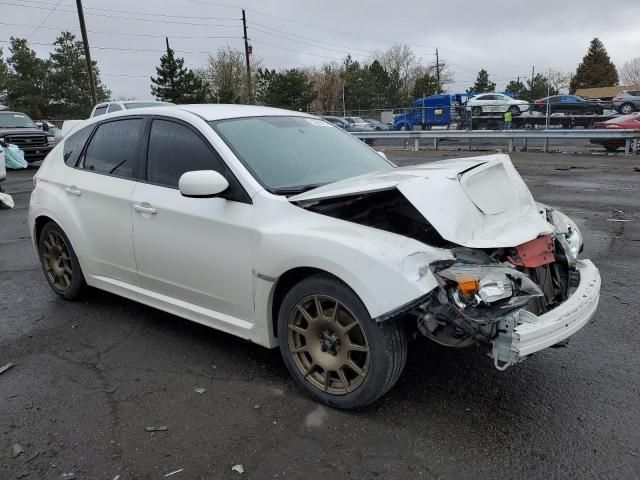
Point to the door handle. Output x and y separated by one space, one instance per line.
73 190
145 208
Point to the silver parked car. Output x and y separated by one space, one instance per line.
627 102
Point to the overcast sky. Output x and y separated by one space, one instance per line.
505 37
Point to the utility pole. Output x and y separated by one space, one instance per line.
533 73
87 54
171 79
438 70
246 56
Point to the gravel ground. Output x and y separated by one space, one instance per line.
89 377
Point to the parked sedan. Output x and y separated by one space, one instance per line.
495 103
627 102
291 233
377 125
567 104
623 122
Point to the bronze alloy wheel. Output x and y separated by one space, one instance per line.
328 345
56 261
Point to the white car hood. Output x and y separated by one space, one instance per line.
477 202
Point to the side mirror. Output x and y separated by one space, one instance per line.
382 154
202 184
45 127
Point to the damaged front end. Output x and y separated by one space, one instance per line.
515 284
514 301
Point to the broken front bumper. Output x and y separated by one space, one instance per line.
524 333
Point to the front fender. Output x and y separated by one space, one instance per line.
385 270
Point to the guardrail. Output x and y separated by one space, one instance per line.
630 136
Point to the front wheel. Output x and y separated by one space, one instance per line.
332 347
59 262
609 147
476 111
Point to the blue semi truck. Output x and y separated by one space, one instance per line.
440 109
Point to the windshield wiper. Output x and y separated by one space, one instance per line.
294 190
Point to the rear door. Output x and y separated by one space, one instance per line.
99 191
197 250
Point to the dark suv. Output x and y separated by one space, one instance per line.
18 129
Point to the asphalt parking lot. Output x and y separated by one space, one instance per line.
90 376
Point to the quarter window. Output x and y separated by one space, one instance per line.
100 110
114 107
175 149
73 145
114 147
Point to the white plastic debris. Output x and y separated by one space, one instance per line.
199 390
238 468
174 472
6 201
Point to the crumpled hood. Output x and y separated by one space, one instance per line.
477 202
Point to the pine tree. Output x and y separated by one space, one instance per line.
482 84
516 88
68 81
287 89
426 84
175 83
26 80
596 69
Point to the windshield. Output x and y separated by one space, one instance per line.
294 154
15 120
358 120
131 105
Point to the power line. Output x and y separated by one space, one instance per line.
124 33
261 42
27 3
126 18
117 48
53 9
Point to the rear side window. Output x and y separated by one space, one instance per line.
114 107
100 110
114 147
175 149
74 144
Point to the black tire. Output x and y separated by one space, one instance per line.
514 110
626 108
386 343
476 111
77 285
610 147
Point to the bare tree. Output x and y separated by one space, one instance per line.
630 72
328 82
400 58
560 81
226 75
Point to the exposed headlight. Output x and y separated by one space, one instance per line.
568 234
486 284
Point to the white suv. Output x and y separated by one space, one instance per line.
282 229
117 105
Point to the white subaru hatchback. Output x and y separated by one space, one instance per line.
292 233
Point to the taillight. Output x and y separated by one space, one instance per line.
613 125
618 98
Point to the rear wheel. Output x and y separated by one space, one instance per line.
626 108
611 147
332 347
60 263
514 110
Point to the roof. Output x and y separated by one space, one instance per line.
602 92
215 111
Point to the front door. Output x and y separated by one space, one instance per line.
197 250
